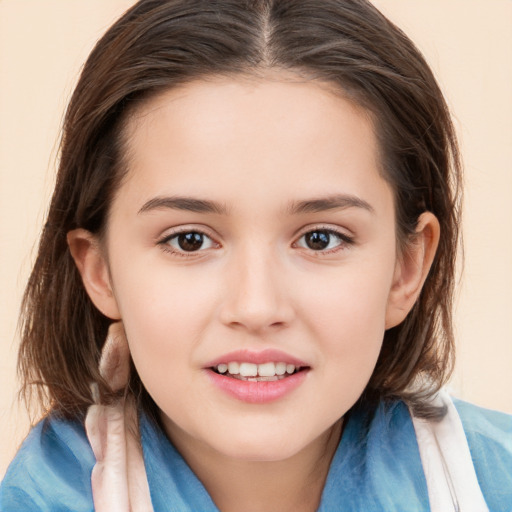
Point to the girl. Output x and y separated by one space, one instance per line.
257 209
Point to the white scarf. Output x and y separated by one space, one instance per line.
119 481
451 479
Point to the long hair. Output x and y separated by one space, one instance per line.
160 44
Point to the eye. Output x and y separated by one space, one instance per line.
322 240
188 241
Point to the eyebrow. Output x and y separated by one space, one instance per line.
189 204
338 201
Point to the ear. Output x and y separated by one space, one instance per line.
412 268
93 267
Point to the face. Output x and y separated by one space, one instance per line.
253 234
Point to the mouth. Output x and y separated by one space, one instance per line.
252 372
257 376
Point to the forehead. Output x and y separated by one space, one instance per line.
275 136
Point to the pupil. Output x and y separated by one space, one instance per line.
317 240
190 241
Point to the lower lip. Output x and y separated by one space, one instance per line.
257 392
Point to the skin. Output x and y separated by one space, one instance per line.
257 148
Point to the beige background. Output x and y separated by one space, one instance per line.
467 42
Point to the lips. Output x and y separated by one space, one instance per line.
257 357
257 376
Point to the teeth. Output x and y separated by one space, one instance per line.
265 370
281 368
234 368
263 379
248 369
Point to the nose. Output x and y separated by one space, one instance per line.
256 297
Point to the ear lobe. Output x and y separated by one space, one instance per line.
92 265
412 268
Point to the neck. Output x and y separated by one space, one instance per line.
294 484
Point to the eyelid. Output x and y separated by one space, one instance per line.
163 240
346 239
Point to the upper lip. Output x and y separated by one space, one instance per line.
257 357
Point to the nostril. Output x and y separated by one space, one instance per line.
256 325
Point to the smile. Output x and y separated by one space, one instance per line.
257 377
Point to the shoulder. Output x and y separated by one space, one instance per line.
486 425
489 436
51 471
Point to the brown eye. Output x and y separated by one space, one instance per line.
190 241
317 240
322 239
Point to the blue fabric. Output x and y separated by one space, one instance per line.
376 467
489 435
51 471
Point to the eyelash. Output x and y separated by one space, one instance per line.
344 241
164 242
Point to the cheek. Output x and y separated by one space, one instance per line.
350 303
164 312
348 321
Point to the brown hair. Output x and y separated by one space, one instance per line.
159 44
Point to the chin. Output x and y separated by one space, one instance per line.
260 445
262 451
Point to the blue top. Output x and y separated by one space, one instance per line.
376 467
